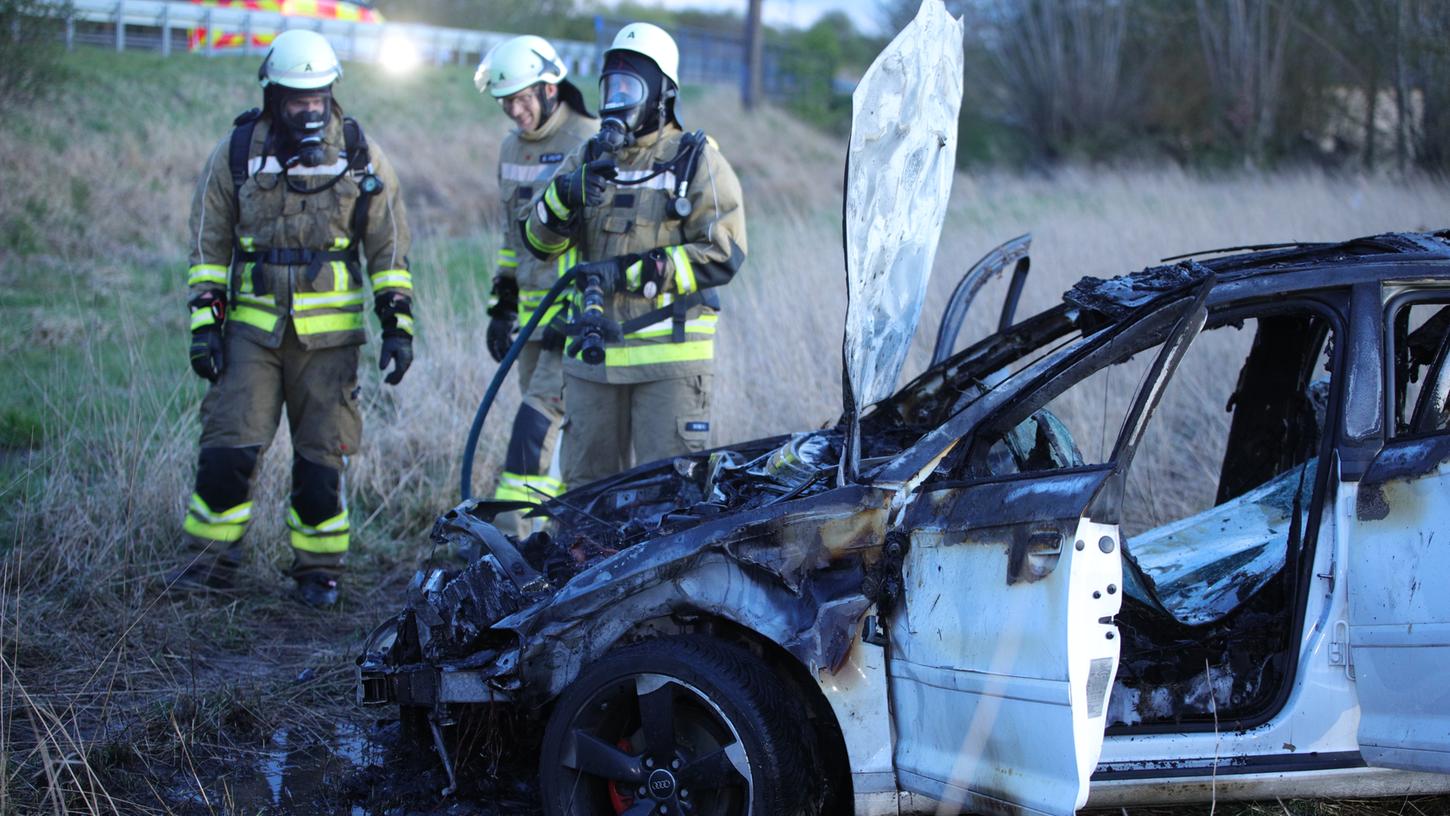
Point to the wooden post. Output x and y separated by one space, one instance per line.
208 47
754 48
121 25
70 32
166 30
247 34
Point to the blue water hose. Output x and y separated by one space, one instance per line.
466 483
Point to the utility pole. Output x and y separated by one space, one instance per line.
751 93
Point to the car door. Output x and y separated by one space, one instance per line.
1399 545
1015 253
1003 649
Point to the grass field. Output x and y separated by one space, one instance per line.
117 700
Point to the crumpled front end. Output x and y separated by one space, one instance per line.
674 546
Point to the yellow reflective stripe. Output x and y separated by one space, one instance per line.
325 545
257 300
323 300
656 353
226 533
705 324
265 321
235 515
524 487
532 297
508 259
341 243
405 323
392 278
568 260
322 324
248 243
206 273
551 197
631 275
540 244
336 524
684 270
339 276
200 318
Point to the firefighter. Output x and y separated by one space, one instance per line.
529 81
287 207
655 214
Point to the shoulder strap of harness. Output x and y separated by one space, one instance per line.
360 165
690 147
240 147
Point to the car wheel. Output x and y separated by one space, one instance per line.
681 726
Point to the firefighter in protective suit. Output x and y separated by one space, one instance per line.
287 207
528 79
655 214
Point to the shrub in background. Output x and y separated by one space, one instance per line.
30 46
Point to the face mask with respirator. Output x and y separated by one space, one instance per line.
623 101
306 128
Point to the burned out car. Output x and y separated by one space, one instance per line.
1174 538
995 609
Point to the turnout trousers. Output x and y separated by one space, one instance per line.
653 420
535 434
239 418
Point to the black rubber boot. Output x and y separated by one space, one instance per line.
316 590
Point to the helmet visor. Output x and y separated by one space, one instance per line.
620 92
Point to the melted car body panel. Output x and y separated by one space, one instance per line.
899 171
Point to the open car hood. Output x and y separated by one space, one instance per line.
899 171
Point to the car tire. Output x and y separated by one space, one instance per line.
684 725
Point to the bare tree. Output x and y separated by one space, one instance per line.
1245 43
1060 64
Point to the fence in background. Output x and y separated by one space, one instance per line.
158 25
706 57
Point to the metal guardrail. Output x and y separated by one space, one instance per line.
155 24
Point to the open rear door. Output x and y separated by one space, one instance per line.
1003 652
1399 610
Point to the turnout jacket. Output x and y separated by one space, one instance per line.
527 162
283 255
704 249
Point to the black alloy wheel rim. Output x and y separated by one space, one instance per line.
653 745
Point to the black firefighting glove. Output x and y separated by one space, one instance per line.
504 310
636 274
585 186
395 312
206 352
207 359
607 274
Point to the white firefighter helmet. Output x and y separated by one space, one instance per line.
653 42
300 59
514 65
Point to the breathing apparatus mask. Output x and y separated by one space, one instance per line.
633 93
304 128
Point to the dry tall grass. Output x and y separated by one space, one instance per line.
107 686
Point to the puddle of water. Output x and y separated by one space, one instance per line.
346 771
293 773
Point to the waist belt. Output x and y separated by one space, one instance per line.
313 259
676 311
